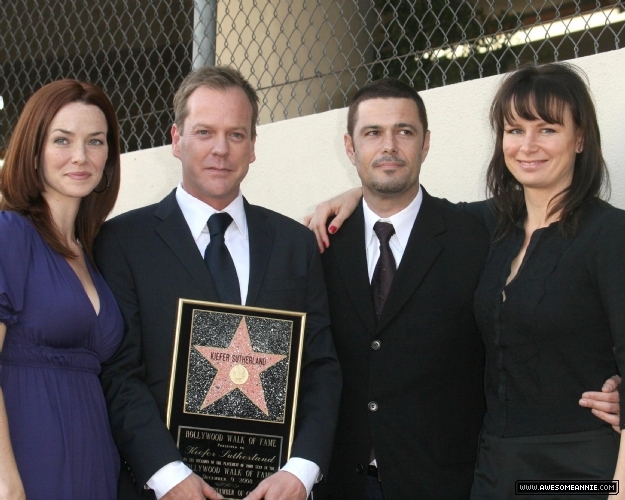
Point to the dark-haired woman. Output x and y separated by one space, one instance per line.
551 301
58 319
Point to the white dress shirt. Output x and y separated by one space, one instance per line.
197 213
402 222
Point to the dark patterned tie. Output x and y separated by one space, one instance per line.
219 260
385 268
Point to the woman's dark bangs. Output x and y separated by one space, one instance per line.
535 100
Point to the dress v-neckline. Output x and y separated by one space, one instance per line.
75 277
82 287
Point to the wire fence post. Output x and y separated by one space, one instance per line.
204 32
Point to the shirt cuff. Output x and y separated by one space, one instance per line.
167 477
306 471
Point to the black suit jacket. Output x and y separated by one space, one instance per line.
422 364
150 260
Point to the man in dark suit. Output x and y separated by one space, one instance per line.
400 275
155 255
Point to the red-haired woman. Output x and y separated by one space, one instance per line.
58 319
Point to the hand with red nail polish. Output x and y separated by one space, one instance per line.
341 206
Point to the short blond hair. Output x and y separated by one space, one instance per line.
213 77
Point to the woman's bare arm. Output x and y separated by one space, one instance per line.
341 206
11 487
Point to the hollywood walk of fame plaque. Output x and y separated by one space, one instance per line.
233 391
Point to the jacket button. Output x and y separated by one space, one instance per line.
376 344
359 468
373 406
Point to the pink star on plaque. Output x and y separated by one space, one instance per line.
238 367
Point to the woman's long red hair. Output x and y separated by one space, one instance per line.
21 185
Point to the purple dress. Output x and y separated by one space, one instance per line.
49 367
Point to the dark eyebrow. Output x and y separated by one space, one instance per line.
68 132
397 125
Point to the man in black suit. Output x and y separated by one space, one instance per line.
400 275
155 255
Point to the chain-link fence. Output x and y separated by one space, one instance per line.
304 56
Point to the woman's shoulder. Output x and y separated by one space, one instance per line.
17 246
481 210
602 224
601 213
611 210
16 229
10 220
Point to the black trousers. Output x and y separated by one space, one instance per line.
373 489
580 455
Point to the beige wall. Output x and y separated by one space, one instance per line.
301 161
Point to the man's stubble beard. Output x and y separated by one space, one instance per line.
392 186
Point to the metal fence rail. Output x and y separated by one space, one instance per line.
304 56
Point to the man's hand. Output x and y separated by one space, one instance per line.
280 486
605 404
192 488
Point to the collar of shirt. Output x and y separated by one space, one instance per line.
197 213
402 221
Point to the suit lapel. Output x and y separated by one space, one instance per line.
348 246
420 254
261 235
174 230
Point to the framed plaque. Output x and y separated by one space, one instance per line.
233 391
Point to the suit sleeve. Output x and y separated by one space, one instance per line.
321 382
139 432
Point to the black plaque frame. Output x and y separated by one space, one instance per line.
230 451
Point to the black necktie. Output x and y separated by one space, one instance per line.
385 268
219 260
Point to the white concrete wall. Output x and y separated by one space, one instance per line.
301 161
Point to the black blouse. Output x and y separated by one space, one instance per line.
560 331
